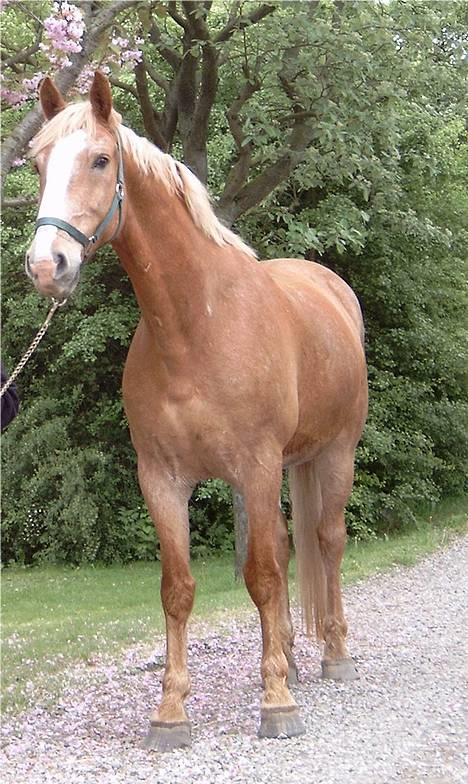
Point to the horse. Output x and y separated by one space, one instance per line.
237 370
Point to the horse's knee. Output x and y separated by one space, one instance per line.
177 594
262 578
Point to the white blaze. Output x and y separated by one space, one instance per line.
54 204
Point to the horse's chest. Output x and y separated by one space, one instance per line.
174 430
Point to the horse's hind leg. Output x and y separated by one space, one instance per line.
264 577
286 626
168 505
335 471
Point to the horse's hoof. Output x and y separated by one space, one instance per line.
293 678
281 723
167 736
340 670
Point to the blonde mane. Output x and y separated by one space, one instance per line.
177 177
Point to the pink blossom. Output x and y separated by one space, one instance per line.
31 85
85 78
131 56
63 33
12 97
84 81
121 42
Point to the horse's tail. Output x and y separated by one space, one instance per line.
306 499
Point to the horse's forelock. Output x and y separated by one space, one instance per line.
75 117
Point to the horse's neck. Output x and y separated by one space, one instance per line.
174 268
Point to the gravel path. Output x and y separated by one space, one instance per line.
402 721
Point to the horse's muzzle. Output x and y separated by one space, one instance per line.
52 277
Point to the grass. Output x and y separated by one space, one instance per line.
53 617
433 530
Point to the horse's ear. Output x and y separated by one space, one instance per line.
101 97
51 98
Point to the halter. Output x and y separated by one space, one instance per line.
88 242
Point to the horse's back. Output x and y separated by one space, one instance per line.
295 276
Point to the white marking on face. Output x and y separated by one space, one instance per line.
55 201
45 235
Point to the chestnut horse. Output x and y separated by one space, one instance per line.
236 370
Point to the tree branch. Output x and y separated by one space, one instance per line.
264 183
196 21
239 196
186 92
207 95
109 10
171 114
19 202
170 55
24 55
239 22
239 173
174 14
195 145
163 83
128 88
151 119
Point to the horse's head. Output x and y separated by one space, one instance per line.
81 186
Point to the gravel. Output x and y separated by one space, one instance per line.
402 721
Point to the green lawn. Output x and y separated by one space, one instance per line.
54 616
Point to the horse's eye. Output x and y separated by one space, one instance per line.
101 162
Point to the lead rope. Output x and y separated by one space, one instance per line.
41 332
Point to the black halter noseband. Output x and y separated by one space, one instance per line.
88 242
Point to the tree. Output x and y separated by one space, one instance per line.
79 35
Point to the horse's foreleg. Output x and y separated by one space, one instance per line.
168 506
264 577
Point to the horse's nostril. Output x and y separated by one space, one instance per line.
61 262
28 265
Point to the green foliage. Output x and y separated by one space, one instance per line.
211 518
49 489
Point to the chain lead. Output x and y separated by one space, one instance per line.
41 332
